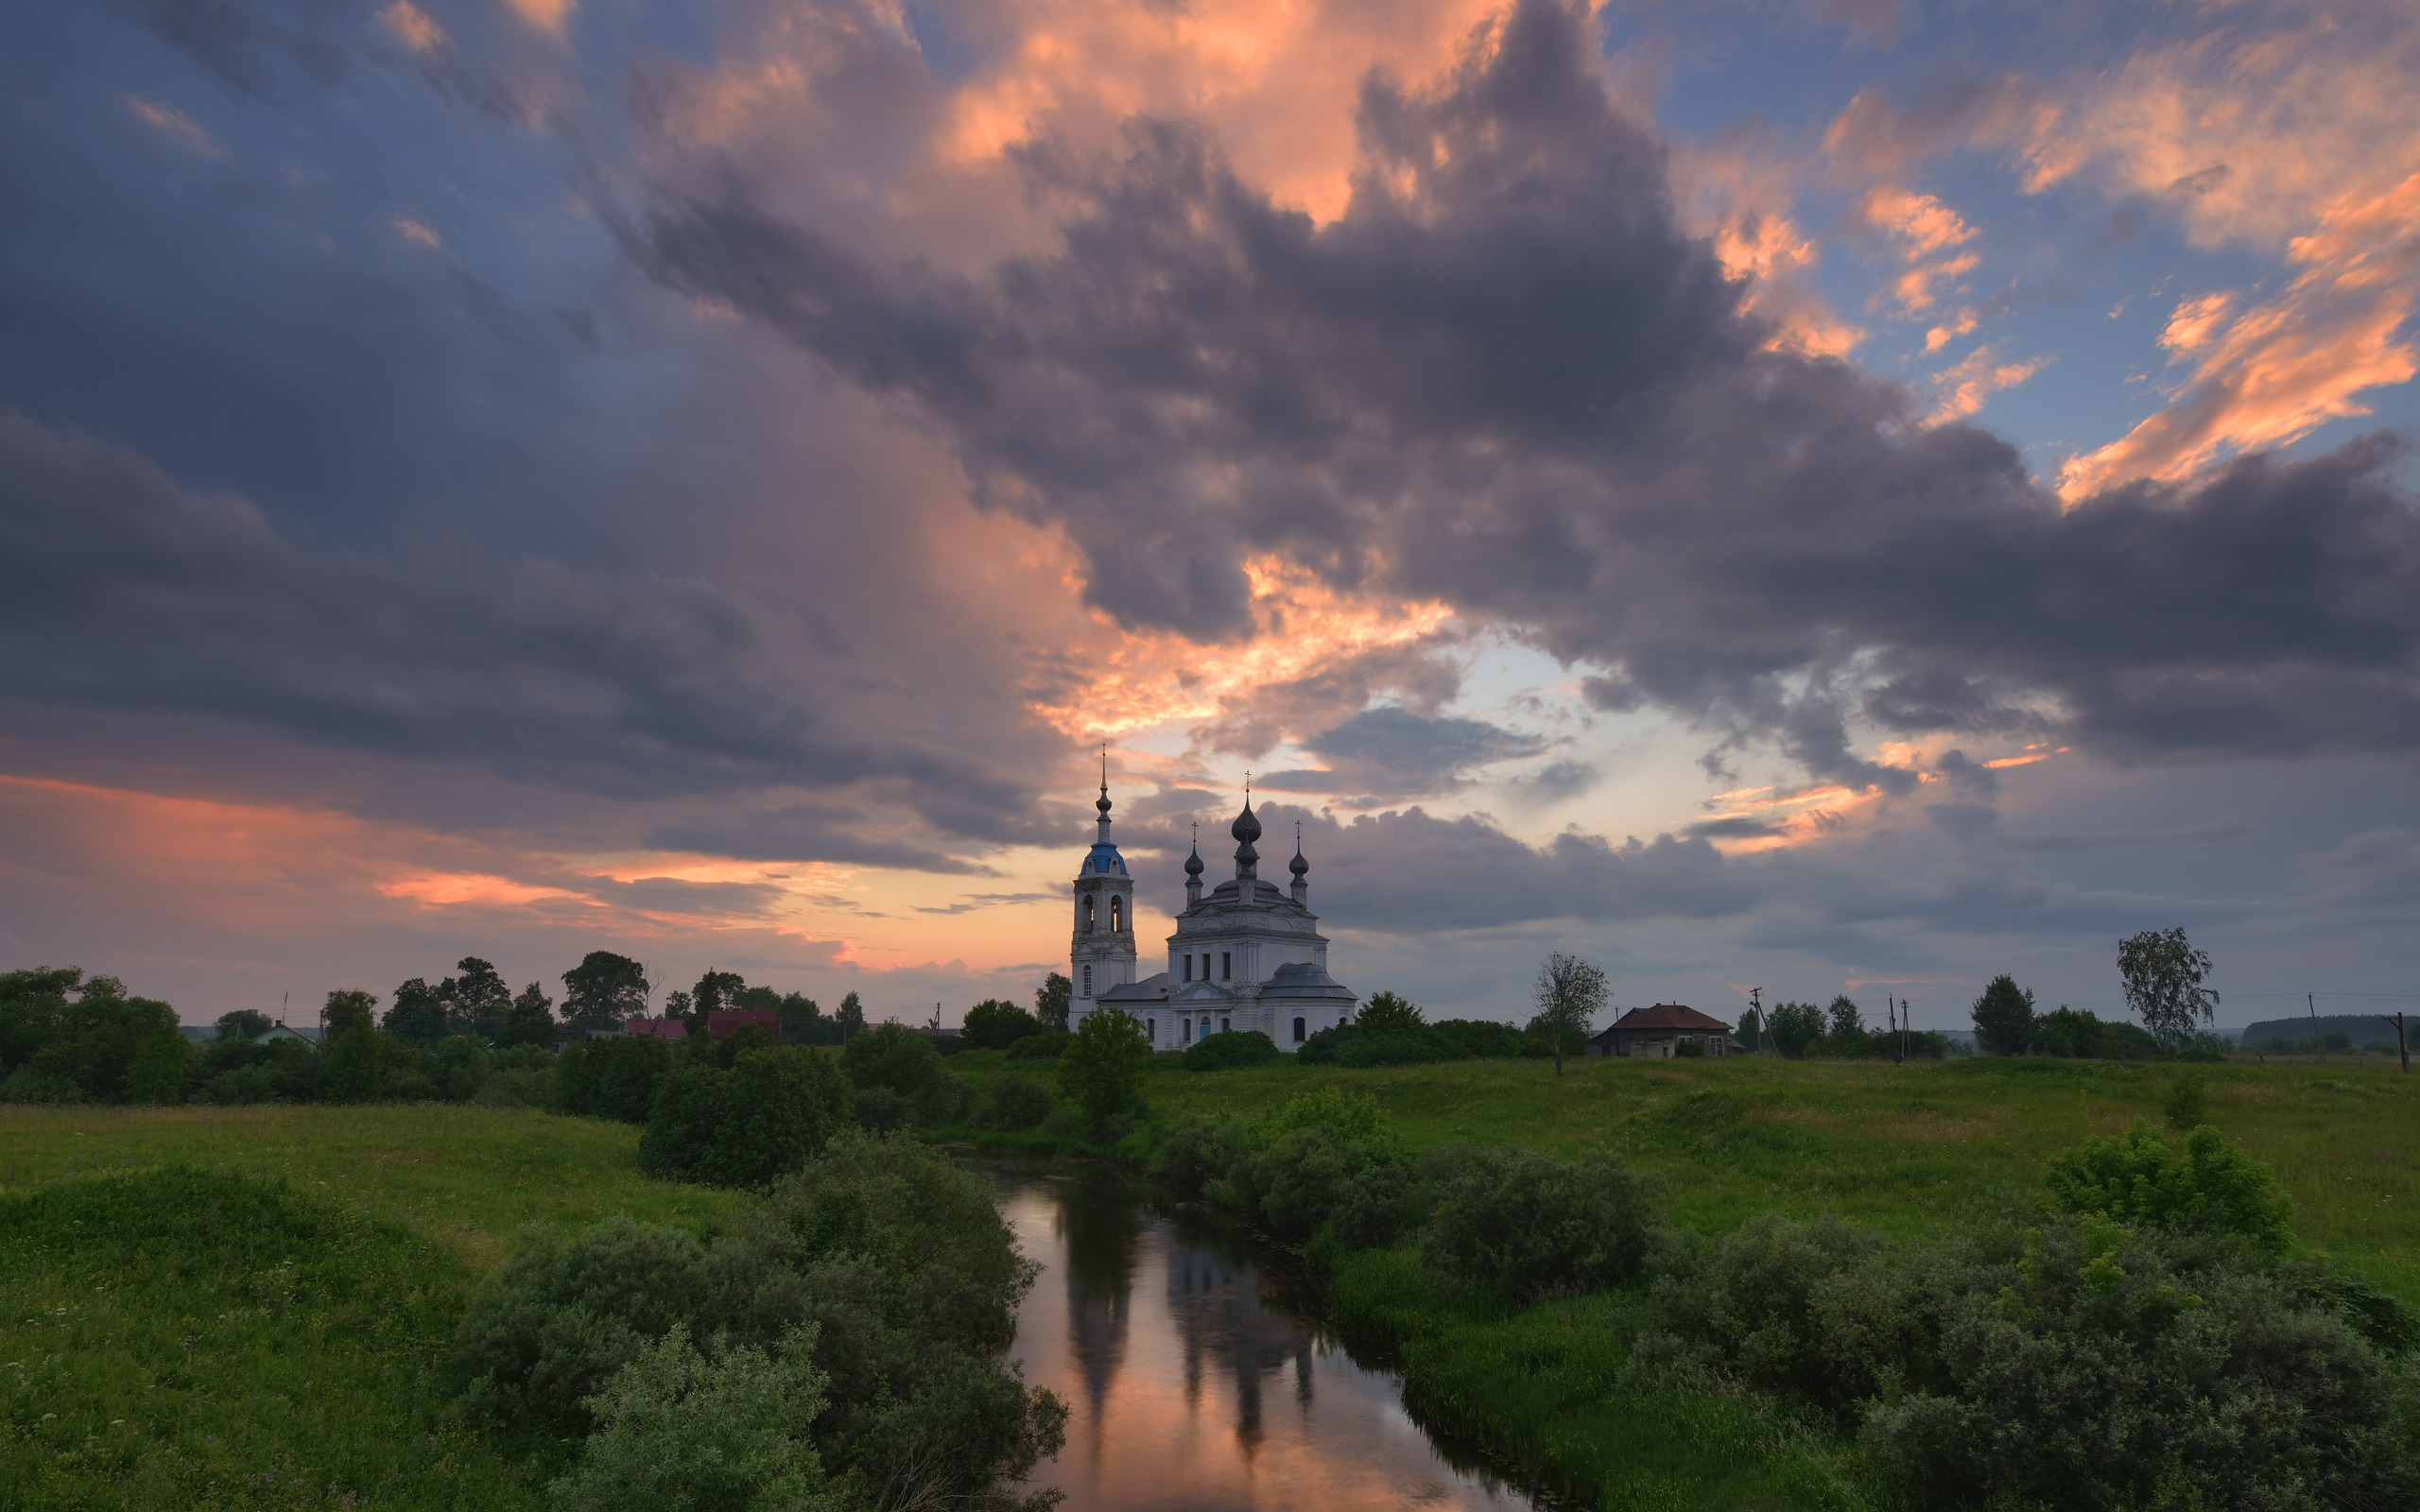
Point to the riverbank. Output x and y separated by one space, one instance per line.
1904 1149
1916 1152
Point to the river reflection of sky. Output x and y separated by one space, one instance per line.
1185 1389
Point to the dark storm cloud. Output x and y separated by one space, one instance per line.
127 591
798 832
1392 752
1505 378
255 47
1411 870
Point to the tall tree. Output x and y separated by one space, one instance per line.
416 1012
2004 1017
1051 1001
1102 1068
996 1024
603 990
800 1018
1795 1027
715 992
1386 1013
244 1024
1568 994
531 1021
2163 973
478 1000
852 1017
347 1006
1848 1022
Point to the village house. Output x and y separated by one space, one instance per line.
1660 1031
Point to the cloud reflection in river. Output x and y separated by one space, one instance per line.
1189 1390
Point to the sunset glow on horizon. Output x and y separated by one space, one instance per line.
1807 495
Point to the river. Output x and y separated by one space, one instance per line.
1190 1383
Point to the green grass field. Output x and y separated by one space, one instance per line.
175 1335
1902 1148
288 1349
1907 1149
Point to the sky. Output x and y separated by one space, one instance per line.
1817 497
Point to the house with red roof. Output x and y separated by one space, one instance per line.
721 1023
1659 1032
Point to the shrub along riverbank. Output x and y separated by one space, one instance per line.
494 1309
1557 1333
2145 1333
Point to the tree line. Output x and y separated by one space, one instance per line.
67 1037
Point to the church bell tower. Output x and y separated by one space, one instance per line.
1103 955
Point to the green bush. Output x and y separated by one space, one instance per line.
546 1330
1794 1027
2079 1033
612 1078
2188 1102
459 1065
894 1262
1529 1226
26 1085
1325 1158
880 1110
2098 1367
1226 1052
86 1033
1048 1045
996 1023
769 1113
896 1056
2137 1180
679 1432
1101 1069
1359 1045
1821 1310
1016 1103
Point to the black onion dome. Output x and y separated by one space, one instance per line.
1193 862
1246 826
1298 866
1102 802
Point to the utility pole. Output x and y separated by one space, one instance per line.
1756 1007
2401 1053
2311 1000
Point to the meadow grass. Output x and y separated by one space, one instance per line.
1905 1149
255 1307
1911 1150
154 1352
466 1178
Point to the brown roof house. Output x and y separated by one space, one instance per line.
1660 1031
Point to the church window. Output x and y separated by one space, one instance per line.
1298 1031
1225 1026
1188 966
1088 919
1088 979
1184 1034
1226 966
1116 911
1151 1030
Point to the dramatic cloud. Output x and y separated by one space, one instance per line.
1505 379
134 591
1410 870
708 480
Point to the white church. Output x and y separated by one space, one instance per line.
1245 955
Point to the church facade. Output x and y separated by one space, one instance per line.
1247 955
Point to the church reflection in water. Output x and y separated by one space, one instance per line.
1189 1382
